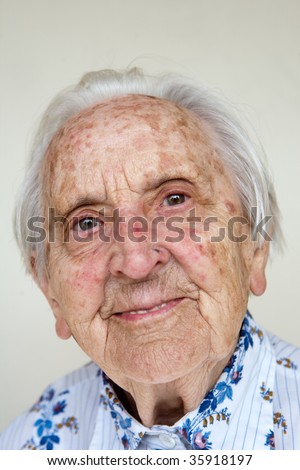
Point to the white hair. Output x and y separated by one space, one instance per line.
244 160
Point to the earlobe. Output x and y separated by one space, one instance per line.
62 329
258 281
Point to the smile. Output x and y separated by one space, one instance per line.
150 312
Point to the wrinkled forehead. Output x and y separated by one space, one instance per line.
135 130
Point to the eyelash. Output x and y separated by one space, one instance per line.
78 219
99 223
173 193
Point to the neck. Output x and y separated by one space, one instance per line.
166 403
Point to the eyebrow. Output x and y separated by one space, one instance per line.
160 180
80 202
150 186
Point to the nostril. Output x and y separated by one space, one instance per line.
137 260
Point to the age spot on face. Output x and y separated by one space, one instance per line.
202 249
230 207
217 166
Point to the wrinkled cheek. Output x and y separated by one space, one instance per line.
200 261
80 291
85 281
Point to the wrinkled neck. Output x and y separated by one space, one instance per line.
167 403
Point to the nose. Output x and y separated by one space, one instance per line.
137 260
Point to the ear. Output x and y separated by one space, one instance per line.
61 327
258 282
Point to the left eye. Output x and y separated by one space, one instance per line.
174 199
86 224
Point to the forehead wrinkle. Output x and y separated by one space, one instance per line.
121 185
64 199
167 114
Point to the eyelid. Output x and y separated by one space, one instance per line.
90 209
176 193
167 189
176 186
76 218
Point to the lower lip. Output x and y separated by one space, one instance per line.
142 316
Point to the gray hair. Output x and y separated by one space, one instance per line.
244 159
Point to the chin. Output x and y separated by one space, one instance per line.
156 373
155 378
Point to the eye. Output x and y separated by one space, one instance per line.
86 224
174 199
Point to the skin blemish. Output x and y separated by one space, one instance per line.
67 184
181 123
230 207
68 166
212 251
217 166
202 249
139 142
154 124
77 144
90 126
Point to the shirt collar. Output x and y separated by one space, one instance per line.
215 410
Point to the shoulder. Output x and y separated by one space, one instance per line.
57 419
287 359
284 349
286 399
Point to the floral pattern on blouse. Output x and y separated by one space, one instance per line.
211 409
287 362
47 427
270 440
280 421
123 425
266 393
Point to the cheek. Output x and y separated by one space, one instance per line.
85 280
214 267
79 290
200 261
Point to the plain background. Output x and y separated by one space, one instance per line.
248 49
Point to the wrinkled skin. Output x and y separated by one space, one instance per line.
110 156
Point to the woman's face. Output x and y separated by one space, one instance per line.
132 271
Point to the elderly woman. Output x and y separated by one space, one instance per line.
145 220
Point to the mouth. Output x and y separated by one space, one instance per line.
155 310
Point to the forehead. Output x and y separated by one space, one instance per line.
127 114
132 137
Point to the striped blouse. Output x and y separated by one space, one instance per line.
255 404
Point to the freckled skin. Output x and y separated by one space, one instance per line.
113 151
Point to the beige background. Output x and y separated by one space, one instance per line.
249 49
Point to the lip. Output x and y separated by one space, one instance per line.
154 311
